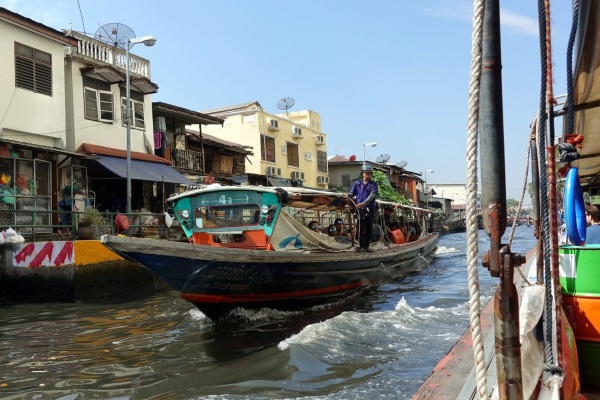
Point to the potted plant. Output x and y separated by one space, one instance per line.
89 219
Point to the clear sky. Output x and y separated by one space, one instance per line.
394 72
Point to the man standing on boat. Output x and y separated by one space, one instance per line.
365 190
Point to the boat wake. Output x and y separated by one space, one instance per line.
441 250
401 322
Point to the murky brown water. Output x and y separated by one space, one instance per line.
380 345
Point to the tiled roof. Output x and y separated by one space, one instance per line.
338 159
237 107
94 149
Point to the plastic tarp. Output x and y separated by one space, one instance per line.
291 235
144 170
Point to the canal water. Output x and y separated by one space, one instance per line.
380 345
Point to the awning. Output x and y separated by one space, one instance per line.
279 182
144 170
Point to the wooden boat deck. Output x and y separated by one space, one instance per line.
454 375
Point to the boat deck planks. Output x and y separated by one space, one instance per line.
454 376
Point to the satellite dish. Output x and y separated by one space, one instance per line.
383 158
352 157
115 34
401 164
286 103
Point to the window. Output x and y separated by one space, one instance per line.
98 105
267 148
322 161
33 69
346 181
137 113
98 100
226 164
227 216
293 158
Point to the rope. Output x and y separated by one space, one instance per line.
569 103
541 140
471 207
524 188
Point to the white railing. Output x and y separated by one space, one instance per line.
108 54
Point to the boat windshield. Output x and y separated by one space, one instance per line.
227 216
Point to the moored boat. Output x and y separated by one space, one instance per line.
538 337
251 247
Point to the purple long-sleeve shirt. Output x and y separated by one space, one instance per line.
365 192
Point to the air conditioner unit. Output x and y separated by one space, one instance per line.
69 51
297 133
298 175
271 171
322 180
278 170
274 125
320 139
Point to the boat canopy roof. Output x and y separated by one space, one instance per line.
586 96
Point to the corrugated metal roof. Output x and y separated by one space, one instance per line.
183 114
36 26
225 143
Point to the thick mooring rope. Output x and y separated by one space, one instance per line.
541 150
471 206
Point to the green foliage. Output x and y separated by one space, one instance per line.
511 203
92 216
386 191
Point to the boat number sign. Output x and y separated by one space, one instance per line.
214 199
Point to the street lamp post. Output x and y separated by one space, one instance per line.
148 41
372 144
426 195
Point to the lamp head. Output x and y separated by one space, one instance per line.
372 144
147 40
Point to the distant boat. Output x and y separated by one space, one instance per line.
250 247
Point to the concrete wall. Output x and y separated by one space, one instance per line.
68 271
38 116
245 127
82 130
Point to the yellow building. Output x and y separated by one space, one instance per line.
291 144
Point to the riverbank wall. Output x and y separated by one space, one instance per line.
69 271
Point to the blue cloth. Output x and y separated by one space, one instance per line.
592 234
363 190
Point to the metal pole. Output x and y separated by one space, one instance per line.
499 259
364 155
426 189
127 122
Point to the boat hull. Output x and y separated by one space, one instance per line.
218 280
581 302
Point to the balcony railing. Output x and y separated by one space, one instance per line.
188 160
109 54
